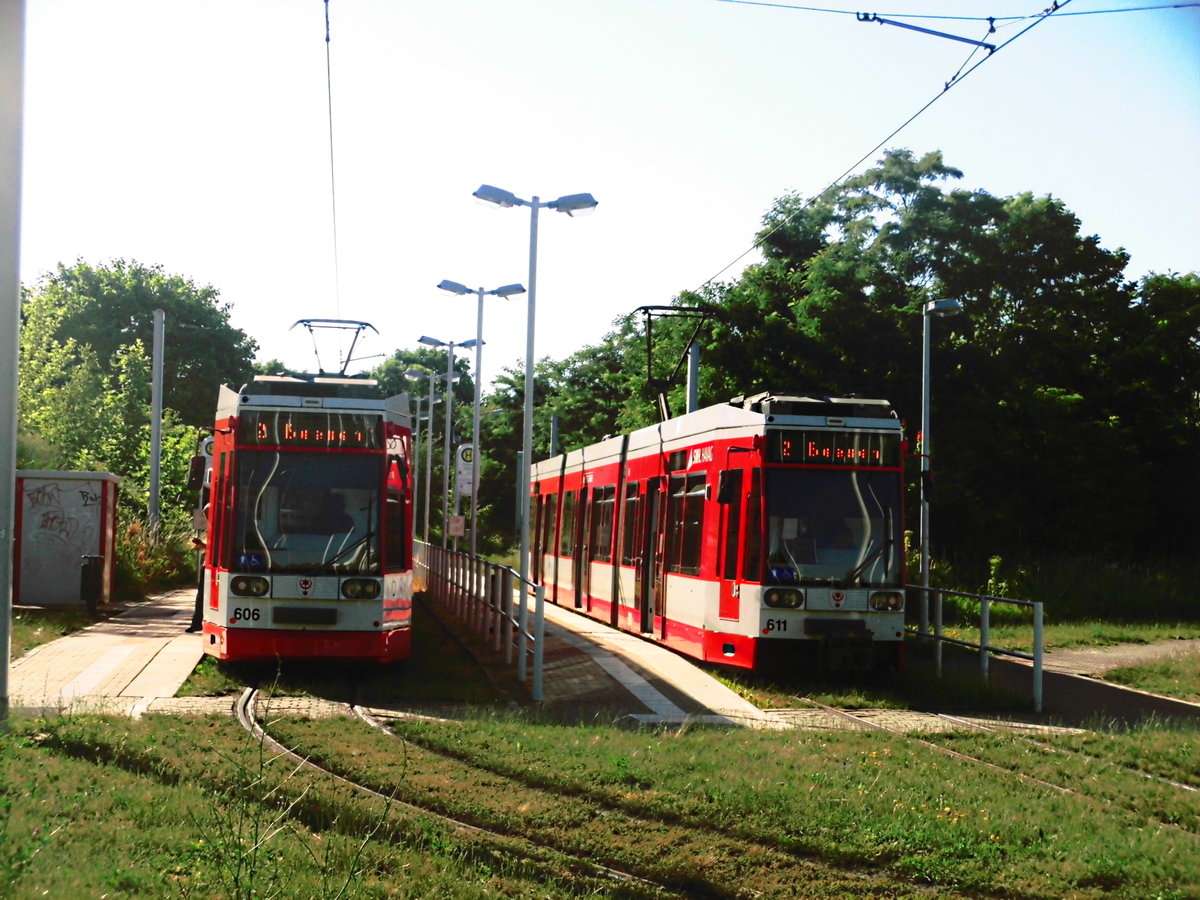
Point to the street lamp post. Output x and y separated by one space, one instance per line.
434 342
571 204
507 290
423 373
939 309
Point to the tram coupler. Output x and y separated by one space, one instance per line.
846 646
849 653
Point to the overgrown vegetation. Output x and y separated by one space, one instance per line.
1177 676
32 627
1067 393
707 812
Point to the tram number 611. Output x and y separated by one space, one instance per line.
246 614
775 625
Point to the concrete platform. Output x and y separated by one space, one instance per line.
135 662
118 666
587 662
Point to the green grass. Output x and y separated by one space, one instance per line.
710 812
193 808
1070 635
1176 676
33 626
168 807
848 800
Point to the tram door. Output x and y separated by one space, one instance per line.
580 563
649 553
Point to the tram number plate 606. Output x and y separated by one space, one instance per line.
246 614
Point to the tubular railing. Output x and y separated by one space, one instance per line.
986 650
485 597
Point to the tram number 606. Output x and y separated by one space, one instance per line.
246 614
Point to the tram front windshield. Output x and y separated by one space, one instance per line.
306 513
833 526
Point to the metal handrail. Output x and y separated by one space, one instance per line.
484 596
984 646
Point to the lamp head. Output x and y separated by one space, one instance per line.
432 342
574 204
508 290
454 287
418 373
466 345
489 194
943 308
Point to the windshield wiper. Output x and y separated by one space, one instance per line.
867 560
350 549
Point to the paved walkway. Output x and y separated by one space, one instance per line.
136 661
588 664
120 666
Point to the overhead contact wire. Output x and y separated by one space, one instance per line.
337 279
958 79
848 12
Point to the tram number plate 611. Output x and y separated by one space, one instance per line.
246 614
775 625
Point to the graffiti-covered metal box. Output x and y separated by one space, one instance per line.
63 520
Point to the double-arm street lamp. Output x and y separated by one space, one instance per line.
425 373
934 309
434 342
571 204
507 290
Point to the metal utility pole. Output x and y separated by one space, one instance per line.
12 75
156 414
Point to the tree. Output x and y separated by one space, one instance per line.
108 307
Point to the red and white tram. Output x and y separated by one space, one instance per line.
309 549
740 533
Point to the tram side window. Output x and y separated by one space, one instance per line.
629 523
685 522
752 562
603 508
566 531
549 513
397 546
733 524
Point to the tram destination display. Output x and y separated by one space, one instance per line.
329 429
833 448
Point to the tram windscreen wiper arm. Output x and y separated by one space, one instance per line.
362 540
861 567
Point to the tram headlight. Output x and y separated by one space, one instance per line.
892 601
360 589
784 598
249 586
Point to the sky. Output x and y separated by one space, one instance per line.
195 135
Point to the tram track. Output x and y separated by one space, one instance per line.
602 822
1025 778
535 853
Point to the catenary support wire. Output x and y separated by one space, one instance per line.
337 281
958 78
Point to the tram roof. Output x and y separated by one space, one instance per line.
851 407
313 386
741 415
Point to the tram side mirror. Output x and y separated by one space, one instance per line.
725 488
196 469
401 468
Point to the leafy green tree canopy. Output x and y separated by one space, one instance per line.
107 307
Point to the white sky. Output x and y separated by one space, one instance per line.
194 134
